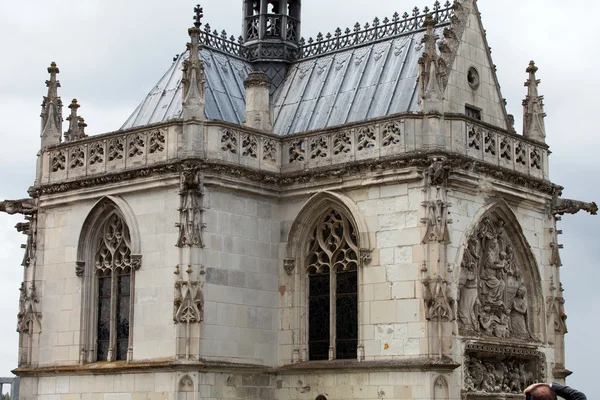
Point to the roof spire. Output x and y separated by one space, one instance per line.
533 108
193 73
431 95
51 110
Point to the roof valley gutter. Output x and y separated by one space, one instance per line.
289 88
360 80
383 68
410 45
218 66
293 120
337 92
312 115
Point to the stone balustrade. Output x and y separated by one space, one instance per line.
387 137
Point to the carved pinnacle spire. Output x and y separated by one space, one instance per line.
73 133
82 125
193 74
431 94
51 110
533 108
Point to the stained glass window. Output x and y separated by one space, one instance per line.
113 271
333 288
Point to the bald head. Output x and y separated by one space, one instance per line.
542 392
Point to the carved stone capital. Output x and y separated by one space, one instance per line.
288 265
79 268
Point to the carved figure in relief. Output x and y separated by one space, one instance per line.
492 291
493 269
468 300
518 315
508 374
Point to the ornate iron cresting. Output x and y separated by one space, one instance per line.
378 30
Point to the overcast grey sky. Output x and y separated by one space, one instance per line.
112 52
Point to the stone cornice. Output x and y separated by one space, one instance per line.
288 179
104 368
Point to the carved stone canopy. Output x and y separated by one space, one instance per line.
495 288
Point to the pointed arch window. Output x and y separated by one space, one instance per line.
332 266
113 284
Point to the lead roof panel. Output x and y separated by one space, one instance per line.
365 82
225 93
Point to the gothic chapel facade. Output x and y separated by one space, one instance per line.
351 217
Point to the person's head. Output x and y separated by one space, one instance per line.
542 392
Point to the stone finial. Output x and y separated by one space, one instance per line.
73 133
533 108
431 94
193 74
51 110
258 110
82 125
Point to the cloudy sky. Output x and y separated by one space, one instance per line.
111 53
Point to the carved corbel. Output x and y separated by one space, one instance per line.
136 261
288 265
79 268
366 256
562 206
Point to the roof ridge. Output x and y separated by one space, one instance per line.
380 29
329 43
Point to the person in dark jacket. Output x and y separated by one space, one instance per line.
543 391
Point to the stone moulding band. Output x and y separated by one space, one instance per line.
277 180
414 364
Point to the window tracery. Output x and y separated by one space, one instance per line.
332 265
113 272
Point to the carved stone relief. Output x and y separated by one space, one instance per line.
269 151
493 297
436 203
28 317
499 370
439 304
288 265
190 211
188 308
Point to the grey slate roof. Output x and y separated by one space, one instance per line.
225 93
361 83
368 81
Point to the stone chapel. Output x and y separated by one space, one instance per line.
348 217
